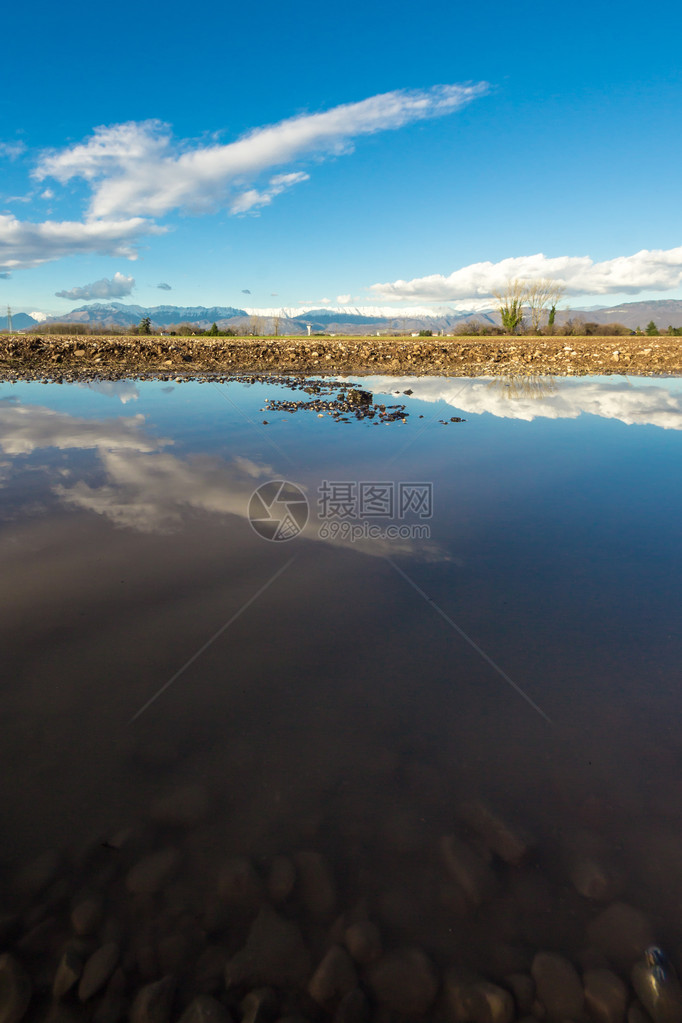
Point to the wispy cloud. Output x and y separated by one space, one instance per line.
138 169
136 172
252 198
655 270
116 287
12 150
25 244
164 286
25 428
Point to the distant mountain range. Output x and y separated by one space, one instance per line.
664 313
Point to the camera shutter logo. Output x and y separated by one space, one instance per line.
278 510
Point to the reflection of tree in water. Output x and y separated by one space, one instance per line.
518 386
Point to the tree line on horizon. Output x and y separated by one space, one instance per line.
522 307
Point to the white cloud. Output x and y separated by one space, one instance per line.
12 150
25 428
38 316
123 390
137 169
24 244
343 299
252 199
116 287
648 270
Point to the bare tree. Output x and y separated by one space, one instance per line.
554 298
511 304
539 294
534 385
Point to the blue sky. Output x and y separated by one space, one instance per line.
283 154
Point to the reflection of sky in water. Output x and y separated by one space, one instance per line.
202 447
555 545
633 401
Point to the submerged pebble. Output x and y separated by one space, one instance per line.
657 986
558 985
404 980
97 970
606 996
476 1001
15 989
622 932
275 954
205 1009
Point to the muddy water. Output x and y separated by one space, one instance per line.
454 679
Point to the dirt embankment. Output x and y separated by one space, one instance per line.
59 357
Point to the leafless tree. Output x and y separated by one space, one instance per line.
540 294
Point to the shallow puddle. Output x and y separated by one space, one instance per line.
410 659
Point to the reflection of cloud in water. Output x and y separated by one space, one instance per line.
124 390
151 490
24 428
154 492
644 404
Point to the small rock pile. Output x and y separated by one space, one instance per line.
349 402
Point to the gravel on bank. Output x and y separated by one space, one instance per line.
71 357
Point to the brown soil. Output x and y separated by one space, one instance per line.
57 357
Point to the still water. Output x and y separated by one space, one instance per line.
441 654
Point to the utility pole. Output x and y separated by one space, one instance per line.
9 320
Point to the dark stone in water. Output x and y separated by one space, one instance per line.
622 933
68 972
606 996
281 878
15 989
153 1002
657 986
98 969
353 1008
477 1001
204 1009
151 873
363 941
474 876
558 985
405 981
333 978
274 954
259 1006
87 916
315 882
239 884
